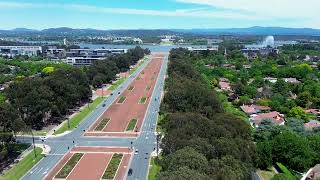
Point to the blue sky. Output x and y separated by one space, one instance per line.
154 14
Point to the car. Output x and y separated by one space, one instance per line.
43 138
103 105
136 151
130 172
118 92
111 94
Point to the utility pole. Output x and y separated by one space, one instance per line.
158 140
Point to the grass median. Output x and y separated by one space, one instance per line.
67 168
22 167
75 121
112 166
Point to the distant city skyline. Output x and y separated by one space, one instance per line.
161 14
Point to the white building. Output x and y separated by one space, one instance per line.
12 51
82 61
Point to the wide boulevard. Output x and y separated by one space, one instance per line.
145 143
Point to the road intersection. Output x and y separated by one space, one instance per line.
145 143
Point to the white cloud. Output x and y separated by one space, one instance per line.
271 8
198 12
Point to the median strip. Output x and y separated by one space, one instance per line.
102 124
131 125
112 168
67 168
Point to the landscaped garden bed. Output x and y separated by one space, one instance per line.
67 168
112 167
102 124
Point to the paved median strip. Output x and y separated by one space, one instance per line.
67 168
112 168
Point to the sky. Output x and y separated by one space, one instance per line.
158 14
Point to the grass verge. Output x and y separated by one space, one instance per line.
75 121
142 100
115 85
102 124
154 169
112 167
67 168
131 125
17 171
121 99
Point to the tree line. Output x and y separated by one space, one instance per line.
200 141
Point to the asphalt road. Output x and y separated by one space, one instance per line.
145 143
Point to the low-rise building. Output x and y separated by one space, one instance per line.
314 173
12 51
254 109
274 116
312 124
203 49
82 61
224 85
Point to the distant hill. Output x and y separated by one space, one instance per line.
257 30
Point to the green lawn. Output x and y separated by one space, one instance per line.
154 169
17 171
102 124
142 100
67 168
131 125
115 85
121 99
112 166
75 121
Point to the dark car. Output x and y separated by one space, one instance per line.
130 172
118 92
103 105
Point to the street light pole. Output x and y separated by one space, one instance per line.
34 146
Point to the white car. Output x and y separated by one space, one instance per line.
43 138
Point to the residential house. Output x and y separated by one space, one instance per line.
254 109
224 84
275 116
314 173
312 124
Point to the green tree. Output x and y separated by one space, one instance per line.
298 112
